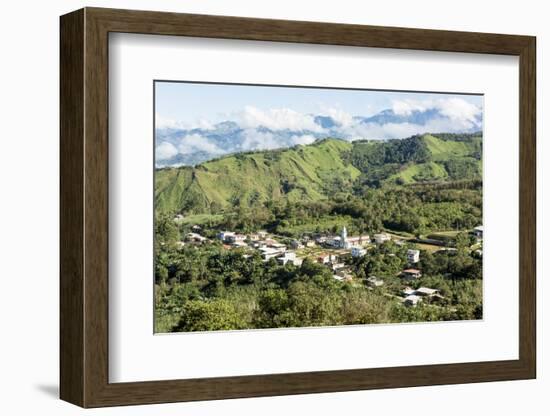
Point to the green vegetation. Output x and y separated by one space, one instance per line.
315 173
210 288
425 190
246 179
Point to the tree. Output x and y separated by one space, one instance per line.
212 315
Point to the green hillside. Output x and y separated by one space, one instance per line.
315 172
429 171
442 150
449 159
299 173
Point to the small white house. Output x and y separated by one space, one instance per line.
413 256
239 244
278 246
289 256
359 240
381 238
411 274
224 235
426 291
358 251
408 291
338 266
234 238
412 300
197 238
269 252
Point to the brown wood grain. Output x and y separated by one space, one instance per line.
71 100
84 207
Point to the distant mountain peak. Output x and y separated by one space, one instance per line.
192 146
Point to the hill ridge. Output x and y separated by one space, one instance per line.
314 172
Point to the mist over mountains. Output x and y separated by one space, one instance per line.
256 129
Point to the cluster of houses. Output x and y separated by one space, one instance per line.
268 248
356 246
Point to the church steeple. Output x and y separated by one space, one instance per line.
344 234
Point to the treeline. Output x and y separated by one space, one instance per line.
413 210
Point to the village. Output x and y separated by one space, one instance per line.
337 253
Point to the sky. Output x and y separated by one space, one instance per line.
189 104
189 116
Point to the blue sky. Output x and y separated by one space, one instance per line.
189 103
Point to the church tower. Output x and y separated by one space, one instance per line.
344 236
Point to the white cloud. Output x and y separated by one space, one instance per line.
278 119
407 107
339 116
168 123
460 110
256 140
462 113
165 151
302 139
191 143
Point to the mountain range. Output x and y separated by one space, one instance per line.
177 146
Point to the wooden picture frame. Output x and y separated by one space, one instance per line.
84 207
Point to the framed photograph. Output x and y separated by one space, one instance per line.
255 207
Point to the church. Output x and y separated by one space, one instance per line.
345 242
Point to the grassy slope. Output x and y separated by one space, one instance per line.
441 151
299 173
302 173
429 171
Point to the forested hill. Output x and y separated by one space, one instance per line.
317 171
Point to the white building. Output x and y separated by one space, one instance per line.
224 235
335 242
408 291
239 244
346 242
381 238
323 258
413 256
289 256
358 251
359 240
195 237
412 300
234 238
270 252
410 274
426 291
